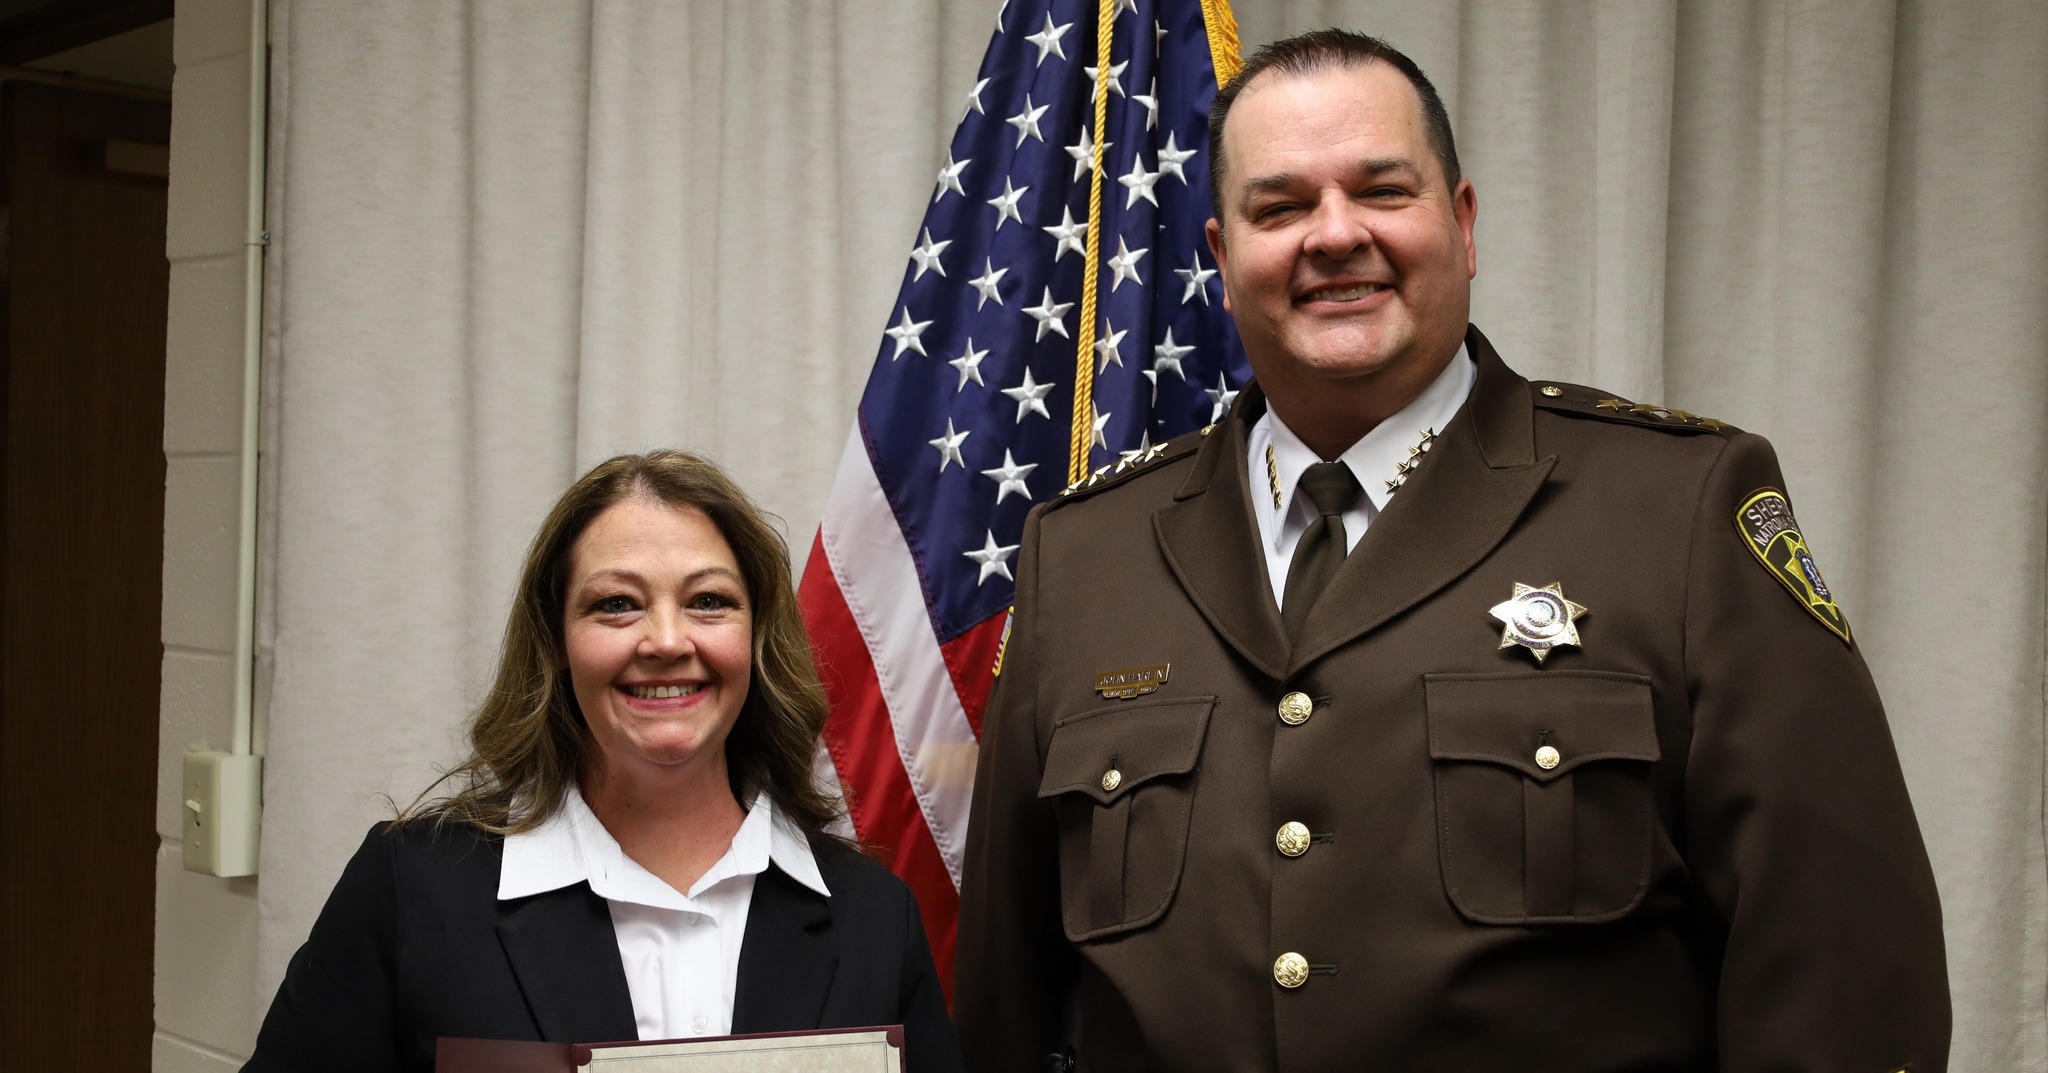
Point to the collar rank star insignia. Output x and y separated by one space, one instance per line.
1414 459
1539 619
1772 535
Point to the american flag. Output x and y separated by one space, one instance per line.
971 415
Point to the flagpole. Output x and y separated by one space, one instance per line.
1084 340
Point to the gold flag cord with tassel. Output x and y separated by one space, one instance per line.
1226 53
1091 276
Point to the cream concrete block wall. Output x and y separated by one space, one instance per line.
206 1011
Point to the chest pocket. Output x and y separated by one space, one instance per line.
1121 779
1543 794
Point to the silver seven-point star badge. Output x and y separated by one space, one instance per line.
1538 618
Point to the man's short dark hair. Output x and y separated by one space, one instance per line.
1320 50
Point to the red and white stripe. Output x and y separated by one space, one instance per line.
901 739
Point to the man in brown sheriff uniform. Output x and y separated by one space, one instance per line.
1527 736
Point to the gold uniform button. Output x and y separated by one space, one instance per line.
1112 779
1552 391
1292 838
1290 970
1295 708
1547 757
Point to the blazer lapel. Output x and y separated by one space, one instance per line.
1479 477
787 958
1211 542
566 957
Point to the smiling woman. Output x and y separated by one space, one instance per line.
657 634
626 526
634 847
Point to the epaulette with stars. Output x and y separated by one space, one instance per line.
1586 402
1136 462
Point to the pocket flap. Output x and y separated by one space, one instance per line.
1506 718
1140 741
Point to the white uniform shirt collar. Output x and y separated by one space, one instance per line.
1375 459
572 847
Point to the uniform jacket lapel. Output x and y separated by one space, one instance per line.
1211 542
565 955
787 959
1478 478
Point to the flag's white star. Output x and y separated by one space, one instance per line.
1006 203
1083 153
1158 36
1197 279
1101 422
949 177
974 98
969 364
1050 316
906 334
993 558
1026 121
927 256
1072 236
987 281
1222 395
1151 103
1030 396
1048 40
1167 356
1009 477
1123 6
1139 182
1172 157
1106 347
1124 264
949 446
1152 377
1116 82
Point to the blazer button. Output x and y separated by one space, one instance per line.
1112 779
1292 838
1547 757
1290 970
1295 708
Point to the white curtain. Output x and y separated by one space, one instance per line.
513 237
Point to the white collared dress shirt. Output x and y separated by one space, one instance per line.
681 950
1375 459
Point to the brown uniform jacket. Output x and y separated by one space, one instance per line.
1718 869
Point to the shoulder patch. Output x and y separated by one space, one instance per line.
1587 402
1772 535
1135 462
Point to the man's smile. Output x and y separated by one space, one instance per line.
1342 292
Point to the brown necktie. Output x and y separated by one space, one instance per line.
1333 490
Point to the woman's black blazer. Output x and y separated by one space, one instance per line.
414 944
